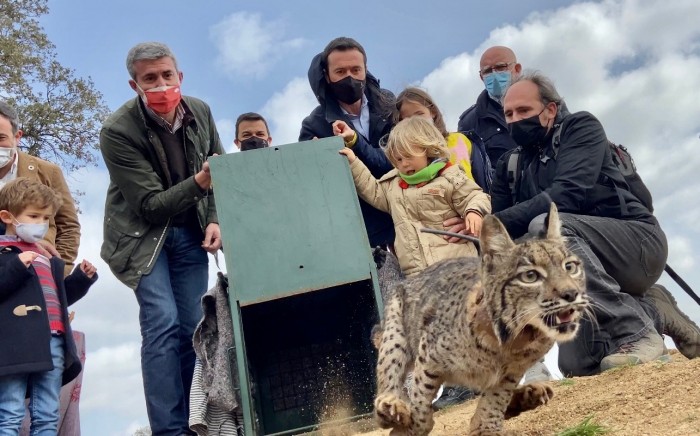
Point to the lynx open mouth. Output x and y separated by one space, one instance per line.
562 320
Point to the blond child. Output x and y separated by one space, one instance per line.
423 190
37 351
414 101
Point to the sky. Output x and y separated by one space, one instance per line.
632 63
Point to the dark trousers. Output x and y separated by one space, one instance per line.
621 259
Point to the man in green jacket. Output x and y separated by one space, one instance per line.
160 222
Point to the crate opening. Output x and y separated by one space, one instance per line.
310 357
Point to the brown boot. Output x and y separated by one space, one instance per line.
684 332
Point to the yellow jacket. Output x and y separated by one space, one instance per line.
460 151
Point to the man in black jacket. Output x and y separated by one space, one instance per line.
347 91
497 68
565 158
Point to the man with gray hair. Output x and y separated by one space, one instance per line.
566 158
160 222
63 237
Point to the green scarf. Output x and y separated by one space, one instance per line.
425 175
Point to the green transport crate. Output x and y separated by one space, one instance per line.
302 286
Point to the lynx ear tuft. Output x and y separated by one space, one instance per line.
494 237
553 223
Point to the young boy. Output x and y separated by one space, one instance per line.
37 351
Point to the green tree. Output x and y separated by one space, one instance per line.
60 114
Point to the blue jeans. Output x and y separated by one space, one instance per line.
44 390
621 259
169 310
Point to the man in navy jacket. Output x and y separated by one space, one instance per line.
347 91
497 68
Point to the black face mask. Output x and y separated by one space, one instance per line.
348 89
252 143
528 133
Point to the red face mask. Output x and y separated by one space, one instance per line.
163 99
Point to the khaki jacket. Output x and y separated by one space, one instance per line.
64 228
451 194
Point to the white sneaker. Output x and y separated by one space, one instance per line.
537 373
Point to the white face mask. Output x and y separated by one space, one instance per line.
7 155
31 233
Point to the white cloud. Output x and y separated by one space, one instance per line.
227 133
249 45
114 372
680 253
454 85
285 110
604 59
131 429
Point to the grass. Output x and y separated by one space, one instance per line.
567 382
660 365
587 427
620 368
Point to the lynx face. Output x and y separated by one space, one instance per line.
548 291
538 283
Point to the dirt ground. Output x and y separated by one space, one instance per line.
651 399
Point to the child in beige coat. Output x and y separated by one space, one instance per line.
423 190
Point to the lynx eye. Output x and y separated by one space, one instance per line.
571 267
530 276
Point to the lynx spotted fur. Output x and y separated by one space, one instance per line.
480 323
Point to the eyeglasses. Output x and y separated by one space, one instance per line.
499 67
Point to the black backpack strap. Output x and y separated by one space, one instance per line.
602 179
605 180
514 172
682 283
556 138
623 161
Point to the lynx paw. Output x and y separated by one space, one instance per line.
528 397
391 411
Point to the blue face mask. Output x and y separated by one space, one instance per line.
496 83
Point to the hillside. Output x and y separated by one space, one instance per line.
651 399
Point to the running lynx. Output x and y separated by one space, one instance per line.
481 324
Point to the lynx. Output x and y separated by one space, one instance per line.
479 323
